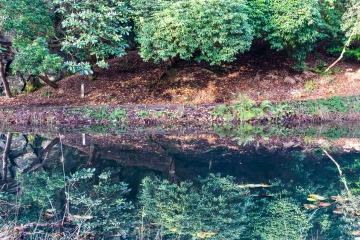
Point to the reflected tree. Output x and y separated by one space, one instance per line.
96 210
6 156
213 207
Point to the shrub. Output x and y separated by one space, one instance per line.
205 30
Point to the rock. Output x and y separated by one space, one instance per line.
18 146
290 80
16 83
25 161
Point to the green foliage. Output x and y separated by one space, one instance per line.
293 26
245 109
333 104
102 201
214 207
35 59
204 30
98 113
31 23
46 93
96 203
27 19
282 219
351 19
42 191
310 85
118 114
94 31
32 85
142 113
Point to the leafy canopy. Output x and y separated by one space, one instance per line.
94 31
205 30
27 19
294 26
213 207
35 59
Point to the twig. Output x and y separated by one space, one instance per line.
340 172
66 213
347 44
334 161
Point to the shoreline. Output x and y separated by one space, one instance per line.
336 109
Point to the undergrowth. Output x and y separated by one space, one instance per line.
244 109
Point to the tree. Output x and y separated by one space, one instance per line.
35 59
351 27
214 207
94 31
205 30
282 219
294 26
2 74
30 23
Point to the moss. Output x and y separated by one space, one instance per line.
32 85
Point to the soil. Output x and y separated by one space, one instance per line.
130 81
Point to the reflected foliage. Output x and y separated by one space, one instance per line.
77 206
213 207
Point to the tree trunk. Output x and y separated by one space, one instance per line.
6 156
49 82
4 80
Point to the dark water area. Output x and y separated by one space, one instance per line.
235 182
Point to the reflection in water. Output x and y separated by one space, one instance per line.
177 187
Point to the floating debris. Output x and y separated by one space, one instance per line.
355 233
205 234
339 199
337 211
324 204
310 206
251 185
316 197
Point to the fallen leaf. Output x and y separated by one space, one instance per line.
251 185
51 210
310 206
81 217
205 234
324 204
337 211
48 215
311 200
317 197
355 233
339 199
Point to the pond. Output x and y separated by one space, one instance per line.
234 182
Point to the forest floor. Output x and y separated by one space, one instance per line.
130 81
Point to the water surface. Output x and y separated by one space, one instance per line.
236 182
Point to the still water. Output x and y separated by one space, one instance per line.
235 182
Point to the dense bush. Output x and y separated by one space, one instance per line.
94 31
205 30
213 31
